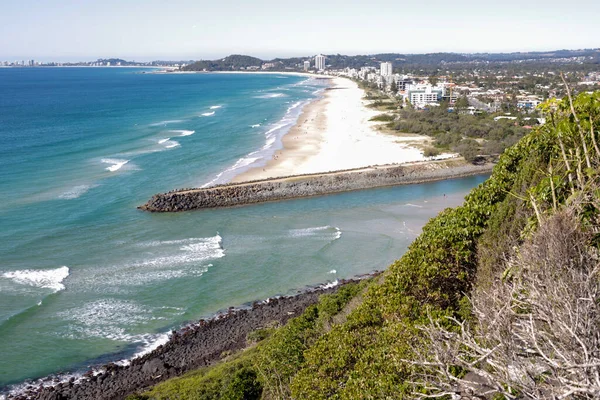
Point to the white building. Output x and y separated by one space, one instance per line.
386 69
306 65
320 62
420 95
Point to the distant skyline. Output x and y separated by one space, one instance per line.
74 30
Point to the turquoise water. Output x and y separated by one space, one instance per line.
86 278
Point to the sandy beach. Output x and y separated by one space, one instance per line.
334 133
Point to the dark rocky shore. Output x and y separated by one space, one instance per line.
196 345
310 185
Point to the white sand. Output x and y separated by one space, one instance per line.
334 133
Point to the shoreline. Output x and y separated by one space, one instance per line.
275 133
195 345
335 133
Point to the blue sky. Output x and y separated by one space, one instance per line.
52 30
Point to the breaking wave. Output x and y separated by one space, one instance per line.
47 279
115 164
272 135
324 232
183 132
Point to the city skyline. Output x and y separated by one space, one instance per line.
143 31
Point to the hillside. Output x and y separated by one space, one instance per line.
233 62
429 61
497 298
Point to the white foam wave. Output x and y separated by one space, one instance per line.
267 149
325 231
106 318
76 191
116 164
208 114
330 285
304 82
241 163
338 233
117 319
172 121
413 205
333 271
168 143
183 132
215 107
159 340
47 279
254 126
189 250
270 96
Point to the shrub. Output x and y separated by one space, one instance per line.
244 385
431 152
383 118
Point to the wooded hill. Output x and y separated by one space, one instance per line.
410 61
230 63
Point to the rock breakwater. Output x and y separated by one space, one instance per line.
310 185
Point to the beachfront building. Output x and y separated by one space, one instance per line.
423 94
350 72
365 71
306 65
386 69
320 62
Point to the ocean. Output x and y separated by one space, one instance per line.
86 278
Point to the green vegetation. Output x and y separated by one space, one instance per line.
524 244
455 131
383 118
230 63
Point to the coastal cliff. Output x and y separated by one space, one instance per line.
310 185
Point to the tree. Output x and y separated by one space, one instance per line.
433 80
462 102
394 87
469 149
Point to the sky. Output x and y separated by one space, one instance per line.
143 30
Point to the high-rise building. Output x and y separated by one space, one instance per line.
386 69
320 62
306 65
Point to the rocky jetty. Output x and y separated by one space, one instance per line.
194 346
310 185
